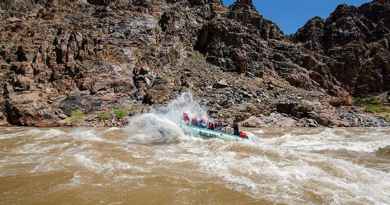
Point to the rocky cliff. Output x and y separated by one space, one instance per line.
356 39
61 60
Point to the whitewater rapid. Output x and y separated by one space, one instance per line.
328 166
153 161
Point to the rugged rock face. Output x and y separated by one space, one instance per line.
312 34
357 41
236 41
90 56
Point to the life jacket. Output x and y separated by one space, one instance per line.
211 126
186 118
243 135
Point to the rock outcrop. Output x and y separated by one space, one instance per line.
356 40
92 56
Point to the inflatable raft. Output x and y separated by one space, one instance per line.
209 134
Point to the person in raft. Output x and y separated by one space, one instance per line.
237 132
196 122
236 128
207 124
186 118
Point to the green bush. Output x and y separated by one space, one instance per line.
374 105
366 101
76 117
120 113
373 108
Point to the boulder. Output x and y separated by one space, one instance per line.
221 84
341 101
29 109
299 109
80 101
273 120
308 123
99 2
253 122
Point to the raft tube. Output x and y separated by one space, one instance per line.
209 134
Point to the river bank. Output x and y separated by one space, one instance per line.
285 115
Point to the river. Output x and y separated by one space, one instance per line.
152 161
115 166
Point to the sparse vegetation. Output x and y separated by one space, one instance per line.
117 113
104 116
374 105
197 56
387 116
76 117
377 108
120 113
132 109
361 101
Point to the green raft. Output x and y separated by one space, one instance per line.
210 134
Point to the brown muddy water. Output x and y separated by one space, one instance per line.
122 166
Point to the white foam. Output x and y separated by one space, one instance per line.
10 136
48 164
259 131
111 129
41 148
88 161
19 133
280 170
51 133
160 126
152 129
76 180
86 135
330 140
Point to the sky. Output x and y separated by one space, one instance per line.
293 14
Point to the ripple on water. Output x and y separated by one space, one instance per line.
291 169
331 139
